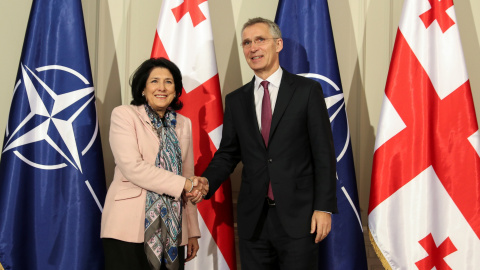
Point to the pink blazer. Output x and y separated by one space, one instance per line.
135 146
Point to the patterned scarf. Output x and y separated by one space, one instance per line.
163 215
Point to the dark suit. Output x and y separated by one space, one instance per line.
299 161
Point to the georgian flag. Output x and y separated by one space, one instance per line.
184 35
424 207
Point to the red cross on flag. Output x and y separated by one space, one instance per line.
184 35
424 207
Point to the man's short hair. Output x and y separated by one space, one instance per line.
274 29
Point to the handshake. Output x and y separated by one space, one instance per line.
196 188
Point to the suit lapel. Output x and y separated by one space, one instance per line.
142 114
249 102
283 99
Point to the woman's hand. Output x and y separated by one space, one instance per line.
192 248
200 188
194 197
189 184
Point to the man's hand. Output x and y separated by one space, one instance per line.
322 223
200 189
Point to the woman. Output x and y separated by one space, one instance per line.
146 221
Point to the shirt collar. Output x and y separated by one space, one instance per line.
274 79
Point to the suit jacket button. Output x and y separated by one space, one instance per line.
270 160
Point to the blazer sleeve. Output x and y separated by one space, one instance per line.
127 139
189 170
323 151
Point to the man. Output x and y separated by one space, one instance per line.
278 227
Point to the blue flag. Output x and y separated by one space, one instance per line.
309 50
52 180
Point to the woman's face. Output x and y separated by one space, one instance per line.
159 90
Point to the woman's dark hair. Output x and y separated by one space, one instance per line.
138 81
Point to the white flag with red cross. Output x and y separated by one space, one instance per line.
184 35
424 210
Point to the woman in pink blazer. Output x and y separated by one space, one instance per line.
147 218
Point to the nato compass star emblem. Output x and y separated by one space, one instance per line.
50 118
331 100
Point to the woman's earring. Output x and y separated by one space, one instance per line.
143 94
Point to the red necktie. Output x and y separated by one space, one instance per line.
266 123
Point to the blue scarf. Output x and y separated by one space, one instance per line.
163 215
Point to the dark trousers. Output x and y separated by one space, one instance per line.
272 248
120 255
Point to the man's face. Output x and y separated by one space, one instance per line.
261 49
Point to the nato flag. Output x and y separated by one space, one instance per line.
309 50
52 180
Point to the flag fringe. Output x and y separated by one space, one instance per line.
378 252
1 267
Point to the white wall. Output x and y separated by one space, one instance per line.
120 36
